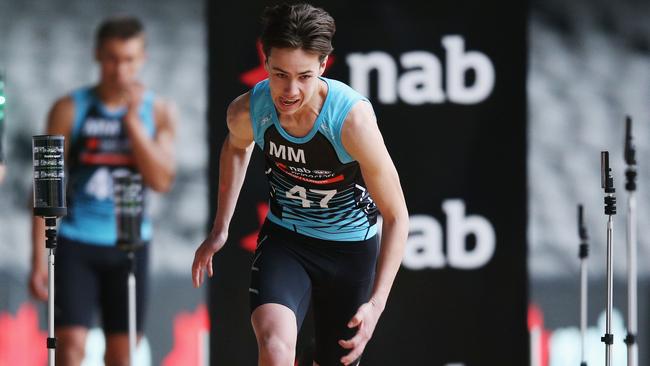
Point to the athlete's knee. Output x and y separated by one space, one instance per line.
69 353
71 345
116 358
117 350
276 349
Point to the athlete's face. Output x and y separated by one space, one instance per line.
120 61
293 77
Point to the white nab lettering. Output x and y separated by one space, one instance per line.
424 247
101 127
421 78
287 153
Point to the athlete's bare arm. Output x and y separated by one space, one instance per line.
233 162
59 122
153 157
362 139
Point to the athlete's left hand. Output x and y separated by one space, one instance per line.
365 320
133 95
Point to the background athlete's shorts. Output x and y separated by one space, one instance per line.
292 269
92 277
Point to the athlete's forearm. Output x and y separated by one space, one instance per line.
233 163
153 162
393 238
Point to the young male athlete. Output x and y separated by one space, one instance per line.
116 124
329 174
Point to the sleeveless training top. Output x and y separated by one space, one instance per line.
99 146
316 188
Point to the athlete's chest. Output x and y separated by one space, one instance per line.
314 151
98 125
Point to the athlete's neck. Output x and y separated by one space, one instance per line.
305 117
111 97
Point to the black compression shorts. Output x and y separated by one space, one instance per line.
291 269
91 277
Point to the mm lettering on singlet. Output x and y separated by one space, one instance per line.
287 153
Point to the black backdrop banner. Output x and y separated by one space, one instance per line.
447 80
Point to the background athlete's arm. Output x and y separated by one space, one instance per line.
153 157
362 139
59 122
233 161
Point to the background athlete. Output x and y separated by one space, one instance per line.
116 124
329 172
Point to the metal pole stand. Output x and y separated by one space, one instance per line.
630 186
129 208
130 250
607 183
132 307
50 243
49 203
583 254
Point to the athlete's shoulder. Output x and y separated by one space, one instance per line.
63 107
239 108
360 116
238 116
61 116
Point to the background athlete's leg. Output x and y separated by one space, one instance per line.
71 343
75 299
117 349
114 300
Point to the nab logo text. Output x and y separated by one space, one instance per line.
421 82
287 153
102 127
424 247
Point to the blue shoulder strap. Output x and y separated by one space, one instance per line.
82 99
343 98
261 111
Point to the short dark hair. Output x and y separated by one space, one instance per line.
121 27
297 26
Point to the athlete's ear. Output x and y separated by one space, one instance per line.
266 64
321 68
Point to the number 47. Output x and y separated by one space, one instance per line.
302 195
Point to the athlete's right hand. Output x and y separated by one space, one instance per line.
203 256
38 283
